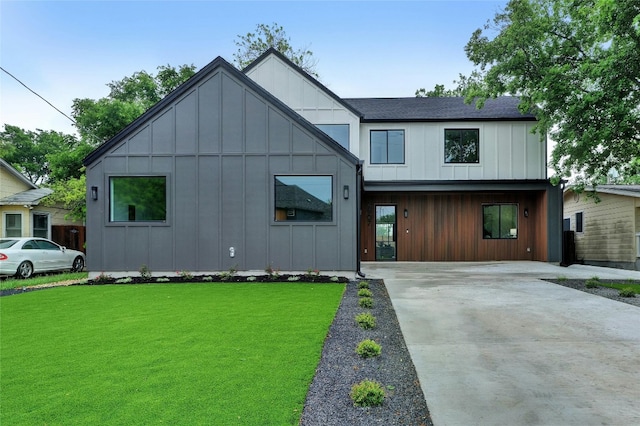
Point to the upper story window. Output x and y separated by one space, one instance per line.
303 198
387 146
339 132
137 199
461 146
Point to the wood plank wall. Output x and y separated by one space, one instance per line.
448 226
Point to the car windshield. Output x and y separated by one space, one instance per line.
7 243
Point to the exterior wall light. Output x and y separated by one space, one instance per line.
526 212
406 213
345 192
94 193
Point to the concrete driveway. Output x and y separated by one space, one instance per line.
495 345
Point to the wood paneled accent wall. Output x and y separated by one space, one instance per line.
448 226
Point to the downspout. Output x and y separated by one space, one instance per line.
358 218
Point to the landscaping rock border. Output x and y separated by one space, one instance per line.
328 402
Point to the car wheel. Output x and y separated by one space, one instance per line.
25 270
78 264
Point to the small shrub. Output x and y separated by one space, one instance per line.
627 292
186 275
251 278
162 280
293 278
367 393
102 278
145 272
207 278
273 273
366 320
363 284
365 302
592 283
368 348
364 292
126 280
313 272
561 278
334 279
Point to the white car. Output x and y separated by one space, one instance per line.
24 257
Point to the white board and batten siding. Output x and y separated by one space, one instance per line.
508 151
304 97
609 227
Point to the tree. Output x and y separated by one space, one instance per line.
576 66
252 45
438 92
70 194
99 120
36 154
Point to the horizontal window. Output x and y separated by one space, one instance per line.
339 132
138 199
461 146
500 221
303 198
387 146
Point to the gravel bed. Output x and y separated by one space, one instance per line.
609 293
328 402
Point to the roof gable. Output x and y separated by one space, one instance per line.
273 52
201 76
16 174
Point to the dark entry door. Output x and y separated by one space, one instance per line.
385 232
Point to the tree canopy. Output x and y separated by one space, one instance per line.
99 120
576 65
43 156
254 44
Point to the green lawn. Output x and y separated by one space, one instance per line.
9 283
179 354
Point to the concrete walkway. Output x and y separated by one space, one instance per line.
495 345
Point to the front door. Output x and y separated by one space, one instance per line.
385 232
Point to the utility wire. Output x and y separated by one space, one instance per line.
29 89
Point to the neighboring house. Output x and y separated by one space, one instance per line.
24 216
268 167
442 180
606 233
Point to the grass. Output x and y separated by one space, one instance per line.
232 354
635 286
9 283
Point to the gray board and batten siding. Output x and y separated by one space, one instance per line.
220 140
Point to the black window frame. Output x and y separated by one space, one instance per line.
580 222
146 222
371 150
501 236
461 131
291 214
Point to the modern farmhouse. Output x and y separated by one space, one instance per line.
268 167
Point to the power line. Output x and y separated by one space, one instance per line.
32 91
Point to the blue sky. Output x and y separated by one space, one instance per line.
72 49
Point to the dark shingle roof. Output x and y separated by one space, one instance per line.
629 190
437 109
30 197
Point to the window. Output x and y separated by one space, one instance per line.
138 199
339 132
461 146
13 225
579 222
387 146
41 225
303 198
500 221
